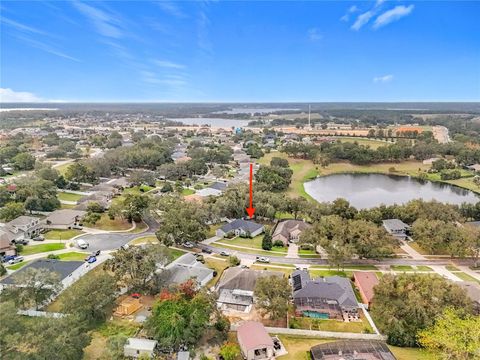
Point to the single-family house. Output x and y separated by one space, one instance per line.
396 228
236 288
289 231
137 347
187 267
325 297
64 219
352 350
254 341
68 271
240 227
24 226
6 245
365 282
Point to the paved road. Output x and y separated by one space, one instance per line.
311 261
113 241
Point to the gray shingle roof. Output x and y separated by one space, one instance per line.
395 224
237 278
332 287
247 226
62 268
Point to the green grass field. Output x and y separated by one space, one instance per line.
58 234
401 268
68 196
187 191
466 277
18 266
35 249
72 256
105 223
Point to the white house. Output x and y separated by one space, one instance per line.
136 347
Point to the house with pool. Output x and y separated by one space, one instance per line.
329 297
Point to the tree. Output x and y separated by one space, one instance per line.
11 211
36 286
134 206
91 218
179 320
233 260
80 173
24 161
134 267
142 177
91 298
272 295
277 161
267 240
181 222
404 305
454 336
39 338
230 351
115 348
273 178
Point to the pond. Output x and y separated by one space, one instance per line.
369 190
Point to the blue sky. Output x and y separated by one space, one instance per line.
240 51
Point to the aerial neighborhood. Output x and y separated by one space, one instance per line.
128 234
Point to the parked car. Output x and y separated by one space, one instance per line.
188 245
207 251
95 253
22 242
136 296
225 253
16 260
263 259
7 258
38 238
77 227
124 247
82 244
91 259
87 259
276 343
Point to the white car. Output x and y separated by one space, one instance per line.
16 260
82 244
225 253
188 245
263 259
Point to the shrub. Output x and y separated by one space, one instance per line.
278 243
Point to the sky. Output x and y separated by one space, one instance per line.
227 51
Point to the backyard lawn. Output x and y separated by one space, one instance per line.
68 196
58 234
298 348
331 325
35 249
217 265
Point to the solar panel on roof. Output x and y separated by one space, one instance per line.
297 282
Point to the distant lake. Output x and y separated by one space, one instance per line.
369 190
253 110
225 123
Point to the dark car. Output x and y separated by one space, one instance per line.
7 258
207 251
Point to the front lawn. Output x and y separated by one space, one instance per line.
401 268
35 249
68 196
18 266
254 243
58 234
323 273
149 239
105 223
72 256
187 191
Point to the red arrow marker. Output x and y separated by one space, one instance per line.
251 209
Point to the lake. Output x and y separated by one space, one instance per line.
370 190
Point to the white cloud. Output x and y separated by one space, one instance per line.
379 2
168 64
106 24
314 34
8 95
362 20
47 48
21 27
392 15
171 8
352 9
383 79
